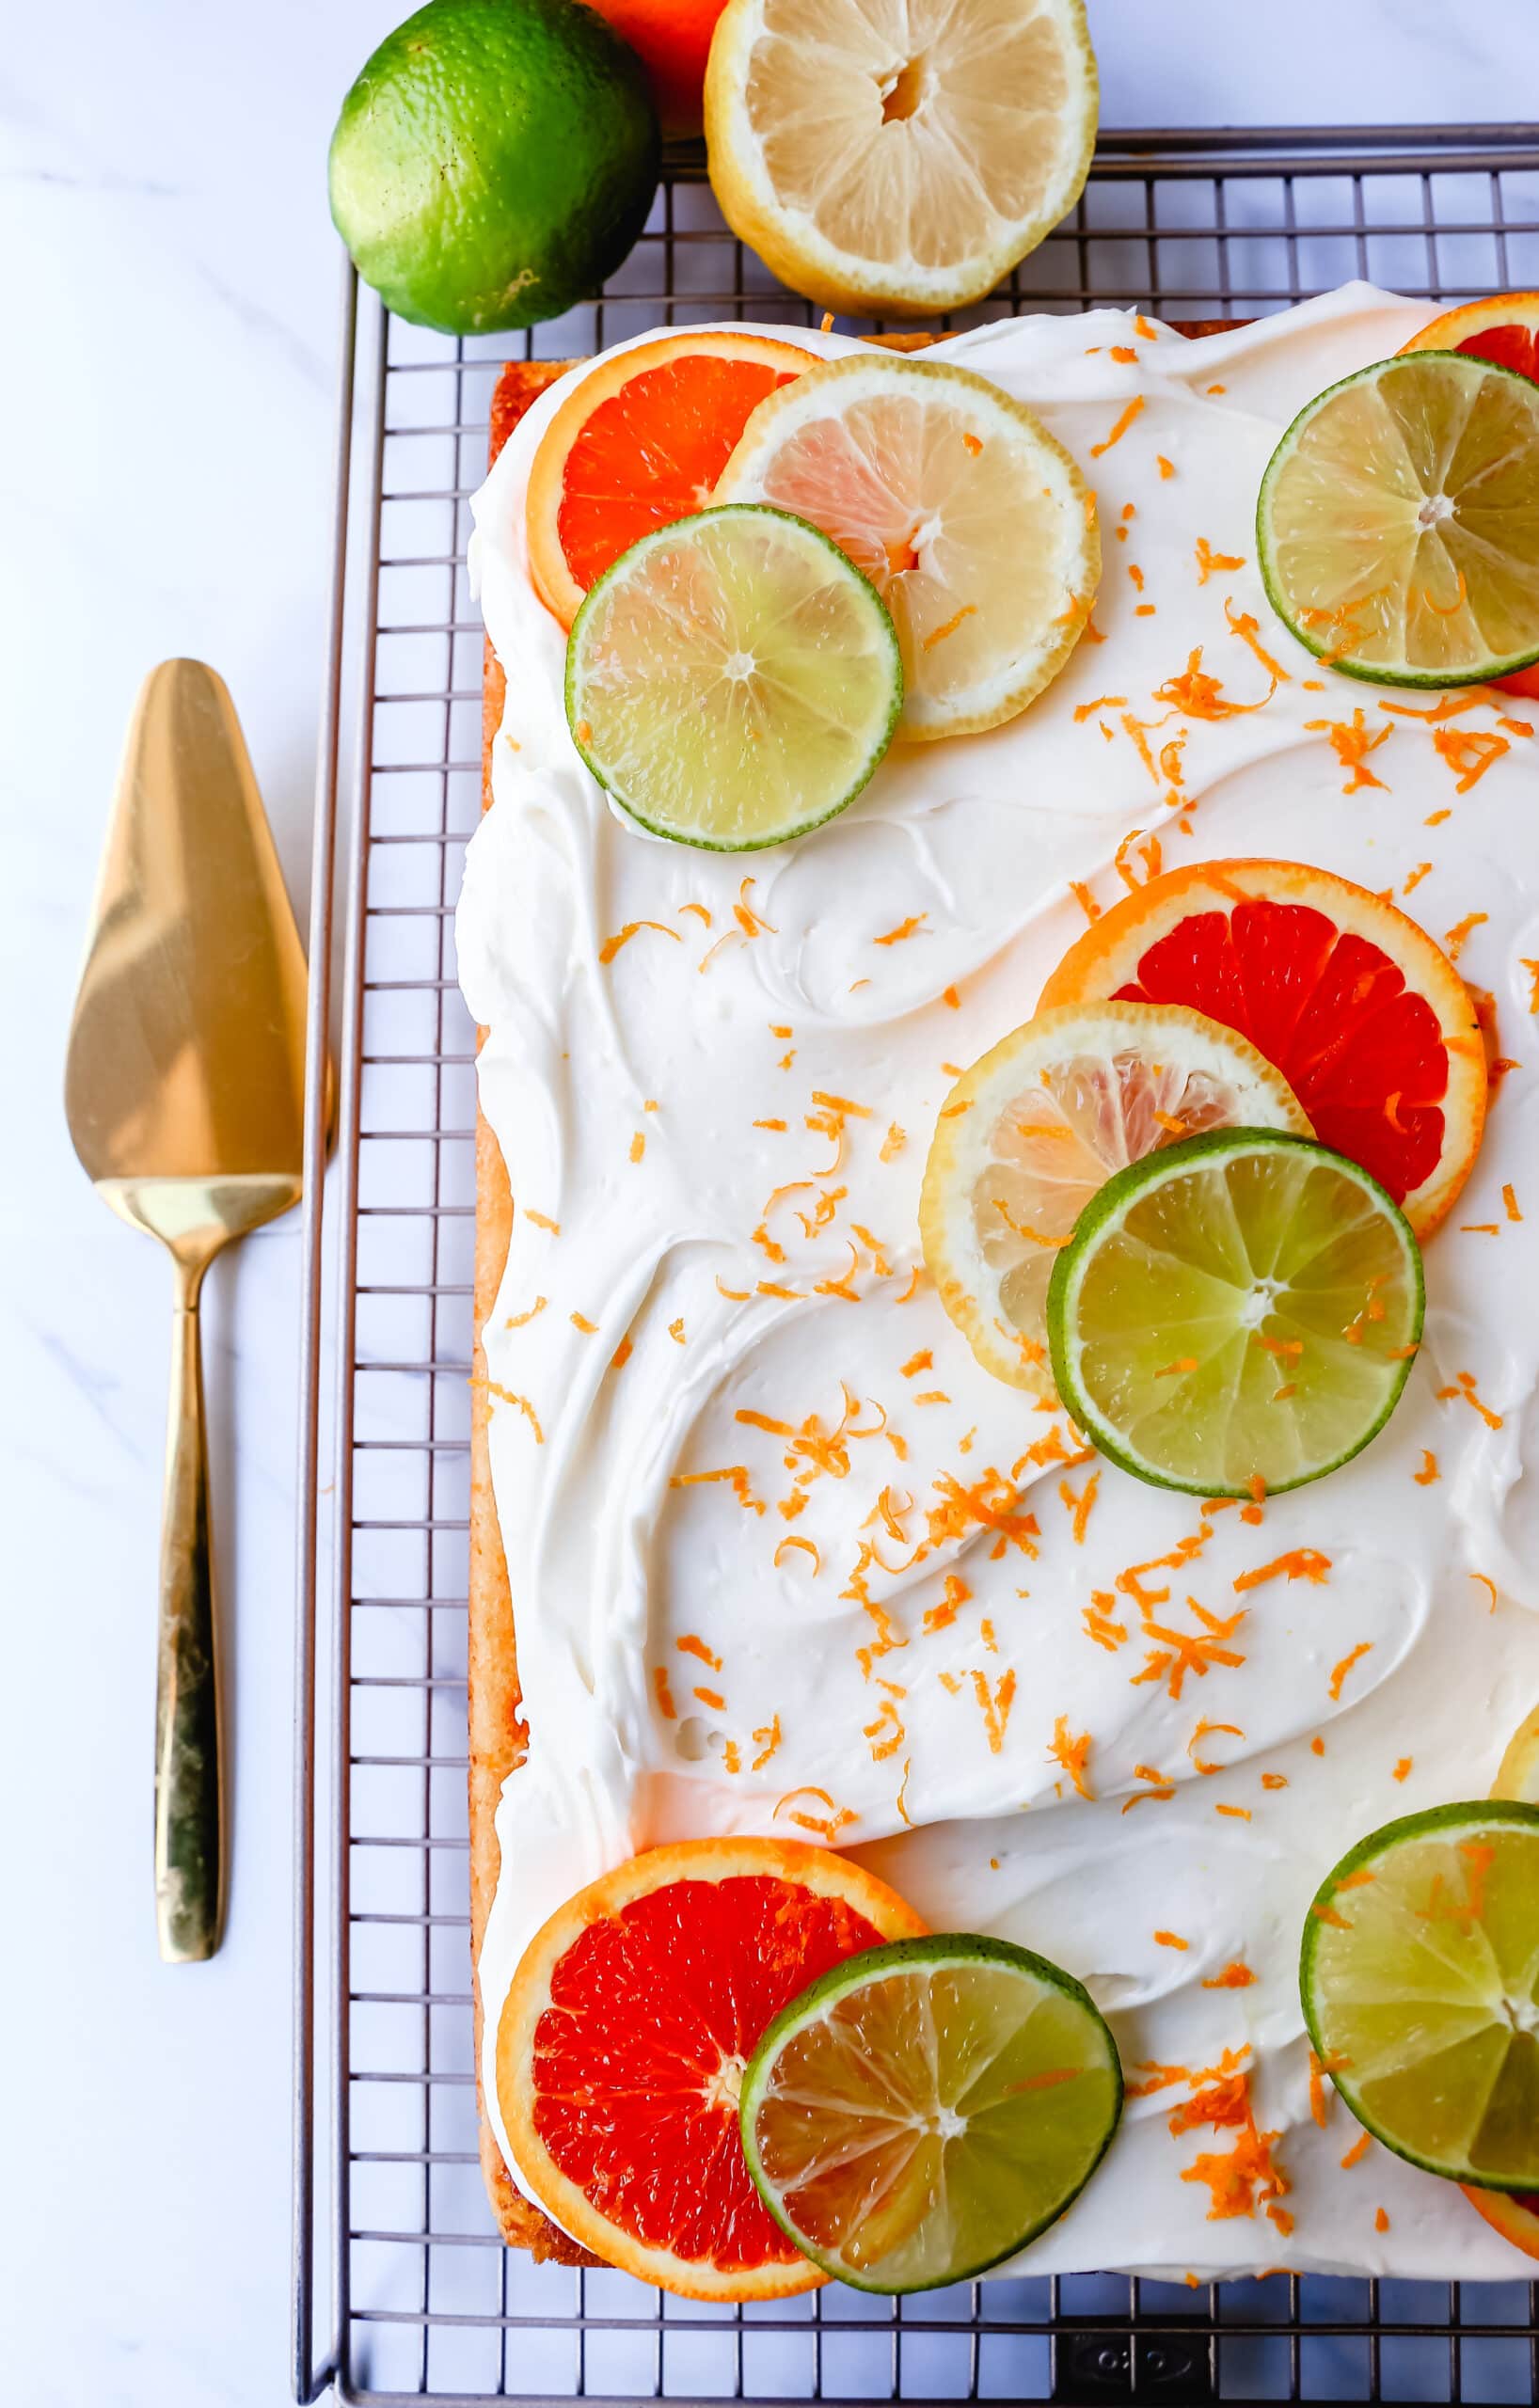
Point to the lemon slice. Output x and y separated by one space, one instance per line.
1420 1978
733 680
1030 1132
971 521
1236 1314
899 155
928 2108
1398 524
1517 1775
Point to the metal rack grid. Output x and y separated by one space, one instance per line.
424 2301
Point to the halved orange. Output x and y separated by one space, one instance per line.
624 2039
1504 328
640 442
1369 1023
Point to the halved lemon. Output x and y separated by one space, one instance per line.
899 156
640 442
1030 1133
1398 524
971 521
733 680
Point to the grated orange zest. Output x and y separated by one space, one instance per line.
1364 1647
1070 1753
612 946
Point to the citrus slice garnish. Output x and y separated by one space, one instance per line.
971 522
894 155
1031 1132
1515 2215
1503 327
623 2041
1398 525
1419 1977
733 680
640 442
1235 1314
925 2109
1368 1021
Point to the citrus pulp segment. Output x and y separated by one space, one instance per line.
1363 1014
899 155
1397 528
925 2109
1236 1314
623 2041
733 680
1419 1977
1031 1132
1504 328
970 519
638 443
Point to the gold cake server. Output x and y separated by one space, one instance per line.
184 1091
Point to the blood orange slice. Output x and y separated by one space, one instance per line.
640 442
1504 328
1368 1021
625 2036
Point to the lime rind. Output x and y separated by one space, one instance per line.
1355 1371
1411 2004
868 613
1076 2021
1482 671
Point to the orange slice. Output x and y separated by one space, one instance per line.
626 2034
640 442
1504 328
1369 1023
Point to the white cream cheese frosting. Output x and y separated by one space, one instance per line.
726 1406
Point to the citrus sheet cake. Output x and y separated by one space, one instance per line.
784 1559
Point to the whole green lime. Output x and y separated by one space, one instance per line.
493 163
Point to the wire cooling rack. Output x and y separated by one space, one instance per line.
402 2288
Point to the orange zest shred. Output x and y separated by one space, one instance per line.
622 1355
1488 1584
665 1695
1182 1652
1247 629
1099 1625
886 1734
766 1741
1079 1507
1101 703
1123 421
948 626
1320 2093
541 1220
732 1295
1357 2153
1364 1647
1092 908
1239 1814
1299 1563
712 1698
1171 1940
621 937
692 1644
1464 1387
1352 741
589 1328
904 929
1203 1731
507 1396
826 1825
1209 562
1273 1781
955 1595
1071 1753
1469 752
1244 2178
1236 1976
519 1320
1381 2219
736 1476
1456 938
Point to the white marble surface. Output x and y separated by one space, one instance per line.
165 436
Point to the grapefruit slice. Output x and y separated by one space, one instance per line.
1368 1021
640 442
1504 327
1034 1129
624 2039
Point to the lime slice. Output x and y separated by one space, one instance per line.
1030 1132
1420 1978
1398 524
1517 1775
928 2108
733 679
1236 1313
